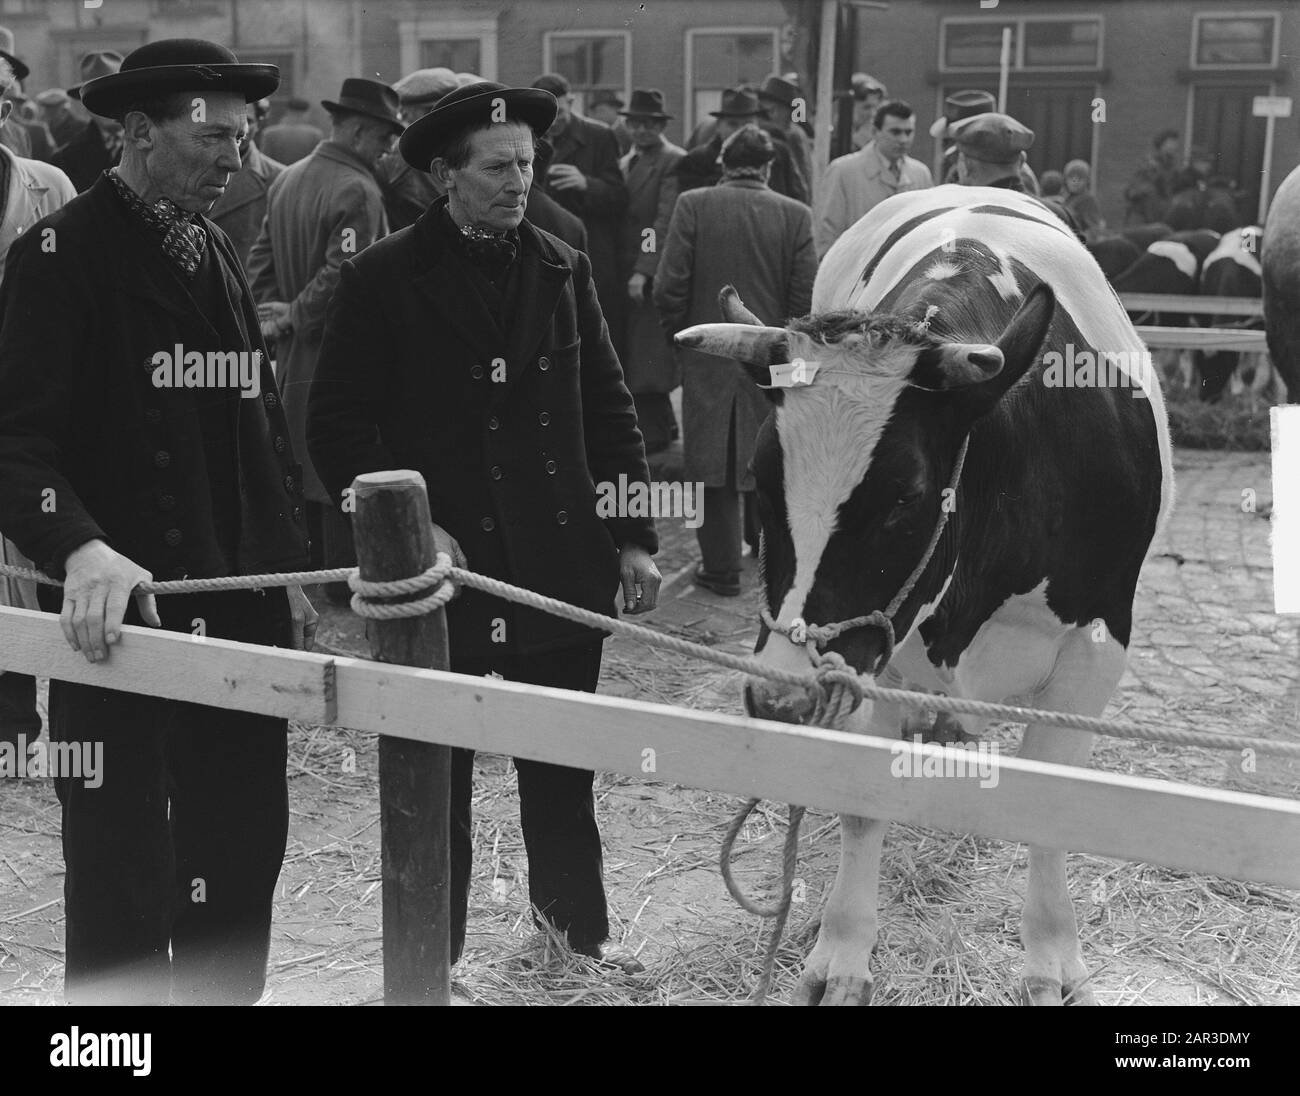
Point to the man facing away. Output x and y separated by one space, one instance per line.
471 348
855 184
173 852
292 138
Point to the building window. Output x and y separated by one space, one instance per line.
1246 40
1038 43
591 61
462 45
22 7
718 58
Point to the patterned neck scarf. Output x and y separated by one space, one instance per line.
491 252
183 238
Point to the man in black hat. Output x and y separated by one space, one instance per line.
471 348
957 107
292 138
786 108
606 106
650 363
702 166
98 145
320 212
173 854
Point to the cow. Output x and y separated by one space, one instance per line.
1171 265
937 323
1281 270
1232 269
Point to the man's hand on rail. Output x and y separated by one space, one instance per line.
640 578
95 596
305 618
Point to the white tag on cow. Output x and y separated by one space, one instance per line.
793 374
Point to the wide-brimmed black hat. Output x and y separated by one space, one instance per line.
177 64
369 97
739 102
475 103
21 71
779 90
647 103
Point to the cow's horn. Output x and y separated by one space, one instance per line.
733 308
741 341
970 363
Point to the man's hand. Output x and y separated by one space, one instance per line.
273 318
305 618
566 177
443 541
640 578
636 288
95 595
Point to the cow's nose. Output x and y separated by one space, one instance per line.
784 703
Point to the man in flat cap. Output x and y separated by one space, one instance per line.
56 112
991 150
957 107
606 106
408 192
117 469
471 348
320 212
292 138
98 145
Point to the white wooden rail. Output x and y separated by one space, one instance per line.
1220 832
1242 340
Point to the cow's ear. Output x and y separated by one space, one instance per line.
1020 343
754 346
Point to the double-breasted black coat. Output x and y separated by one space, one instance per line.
512 429
89 446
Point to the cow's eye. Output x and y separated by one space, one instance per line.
907 498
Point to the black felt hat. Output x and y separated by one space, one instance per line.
369 97
483 102
177 64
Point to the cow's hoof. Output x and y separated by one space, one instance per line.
1077 993
842 989
947 729
1048 991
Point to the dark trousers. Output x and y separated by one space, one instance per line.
18 714
330 531
730 518
182 842
655 417
557 811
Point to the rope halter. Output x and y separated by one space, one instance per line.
839 691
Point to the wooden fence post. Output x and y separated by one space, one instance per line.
395 539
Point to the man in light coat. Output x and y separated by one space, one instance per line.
29 189
649 363
240 211
743 234
322 211
855 184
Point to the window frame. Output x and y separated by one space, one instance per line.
412 33
548 58
1222 66
1018 49
689 121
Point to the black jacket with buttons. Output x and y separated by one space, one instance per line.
512 453
89 446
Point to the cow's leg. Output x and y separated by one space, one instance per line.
838 972
1084 678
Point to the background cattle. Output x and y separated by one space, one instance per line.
1281 277
1233 270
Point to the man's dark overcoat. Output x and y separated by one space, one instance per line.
84 158
406 380
88 299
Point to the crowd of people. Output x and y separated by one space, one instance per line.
474 281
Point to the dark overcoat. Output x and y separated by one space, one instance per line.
84 158
739 233
240 210
89 447
512 456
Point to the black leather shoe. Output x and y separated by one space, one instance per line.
724 585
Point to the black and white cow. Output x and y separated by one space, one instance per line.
934 319
1232 269
1281 262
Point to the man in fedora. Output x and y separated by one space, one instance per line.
957 107
606 106
98 145
239 212
292 138
172 855
56 112
321 211
858 182
649 362
408 192
584 178
702 166
471 347
784 100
